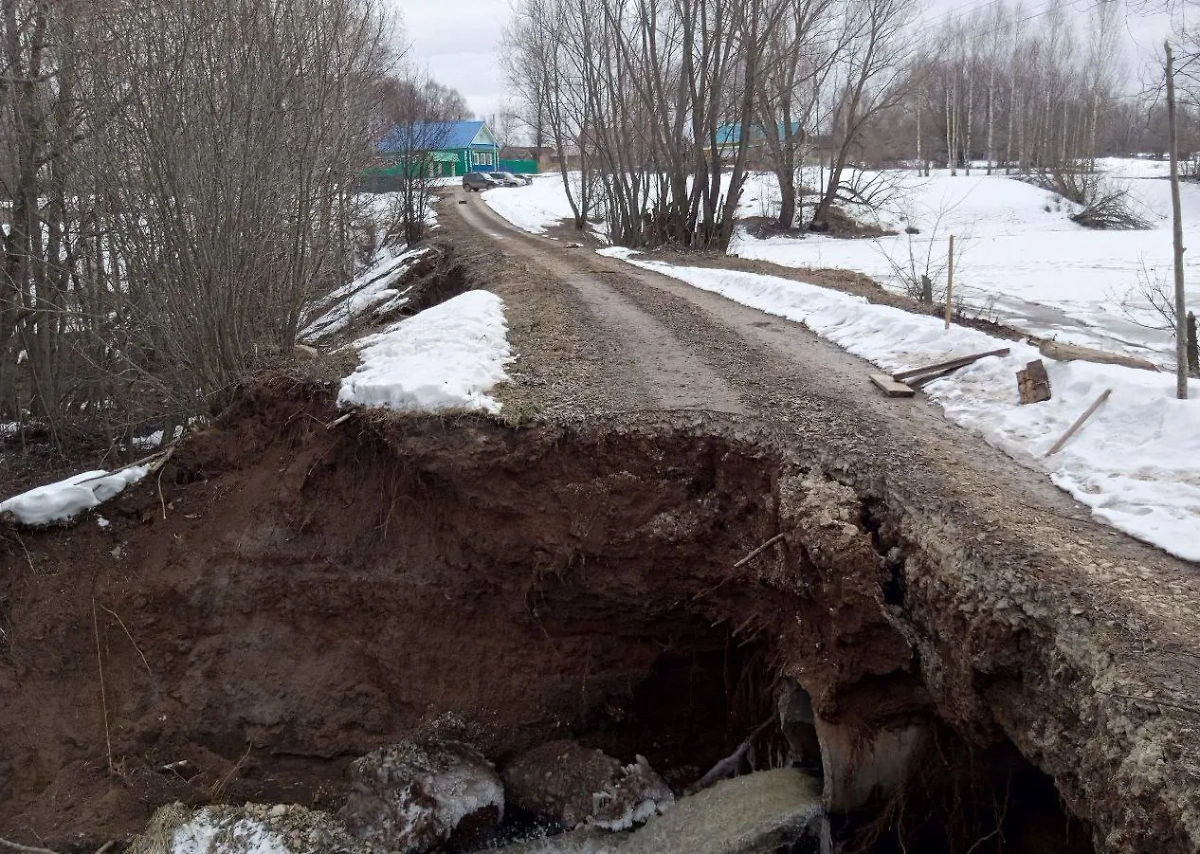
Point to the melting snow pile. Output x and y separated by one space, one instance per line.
373 291
447 357
1136 463
63 501
534 208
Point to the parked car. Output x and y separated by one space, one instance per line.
507 179
478 181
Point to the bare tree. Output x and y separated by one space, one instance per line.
506 125
873 75
548 59
800 53
1181 333
180 177
418 122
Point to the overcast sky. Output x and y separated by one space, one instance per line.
458 40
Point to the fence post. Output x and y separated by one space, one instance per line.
950 283
1193 347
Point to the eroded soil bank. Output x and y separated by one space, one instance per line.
286 597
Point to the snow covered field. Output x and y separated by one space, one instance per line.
1136 463
1020 259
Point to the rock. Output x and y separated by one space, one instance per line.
566 784
411 798
636 796
250 829
755 814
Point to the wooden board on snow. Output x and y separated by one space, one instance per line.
890 387
948 365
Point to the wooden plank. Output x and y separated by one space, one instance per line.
1074 428
949 365
890 387
924 380
1069 352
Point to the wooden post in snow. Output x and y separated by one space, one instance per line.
1181 372
1193 346
1074 428
950 283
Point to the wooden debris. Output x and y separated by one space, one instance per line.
1033 383
758 551
730 765
890 387
1074 428
948 365
1070 352
926 379
25 849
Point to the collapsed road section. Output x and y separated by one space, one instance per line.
287 597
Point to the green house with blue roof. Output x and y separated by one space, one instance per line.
452 148
729 137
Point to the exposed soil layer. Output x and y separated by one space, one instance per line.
287 597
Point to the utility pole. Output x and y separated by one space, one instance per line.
1181 336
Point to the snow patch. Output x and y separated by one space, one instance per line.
447 357
206 834
66 499
1136 463
535 208
372 291
155 439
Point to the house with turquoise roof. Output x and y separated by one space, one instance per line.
452 148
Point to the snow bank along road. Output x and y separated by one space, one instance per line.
671 346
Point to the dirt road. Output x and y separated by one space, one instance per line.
1111 708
